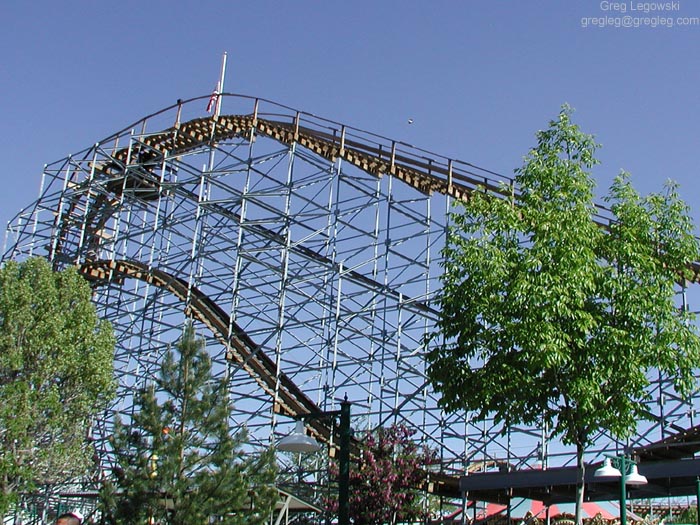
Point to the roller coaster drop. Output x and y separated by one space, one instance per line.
306 251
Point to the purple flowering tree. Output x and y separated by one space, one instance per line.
386 484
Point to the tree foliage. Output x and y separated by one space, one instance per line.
56 373
687 515
178 460
549 318
385 485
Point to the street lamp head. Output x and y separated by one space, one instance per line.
298 441
607 470
634 477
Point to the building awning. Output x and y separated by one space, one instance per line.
669 465
558 485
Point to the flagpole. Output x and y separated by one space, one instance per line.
220 86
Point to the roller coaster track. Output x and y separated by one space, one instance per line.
240 348
372 159
424 175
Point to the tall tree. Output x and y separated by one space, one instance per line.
548 318
56 373
178 460
385 485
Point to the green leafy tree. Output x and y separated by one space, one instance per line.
386 487
549 318
56 359
179 461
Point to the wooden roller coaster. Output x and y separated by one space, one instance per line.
133 169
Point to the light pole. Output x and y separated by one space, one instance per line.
298 441
625 469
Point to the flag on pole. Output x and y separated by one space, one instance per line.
213 99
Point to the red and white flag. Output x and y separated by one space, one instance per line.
212 100
215 99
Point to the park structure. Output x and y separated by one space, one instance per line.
307 253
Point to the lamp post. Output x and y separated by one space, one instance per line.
625 469
298 441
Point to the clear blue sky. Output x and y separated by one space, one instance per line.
478 77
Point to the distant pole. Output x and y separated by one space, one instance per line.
220 86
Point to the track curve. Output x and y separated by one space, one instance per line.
241 349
